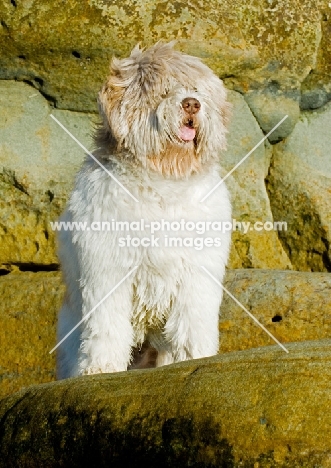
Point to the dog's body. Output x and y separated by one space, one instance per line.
164 117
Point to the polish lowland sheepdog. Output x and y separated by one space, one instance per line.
164 117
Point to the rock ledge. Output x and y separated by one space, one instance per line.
260 408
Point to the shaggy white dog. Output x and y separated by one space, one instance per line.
164 124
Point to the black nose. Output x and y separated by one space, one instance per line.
191 105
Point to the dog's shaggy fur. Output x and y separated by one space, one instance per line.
164 124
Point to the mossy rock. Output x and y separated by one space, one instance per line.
258 408
64 49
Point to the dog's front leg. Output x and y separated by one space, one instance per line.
192 328
107 335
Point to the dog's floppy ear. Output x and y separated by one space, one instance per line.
123 71
104 136
102 106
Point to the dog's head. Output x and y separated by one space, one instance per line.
167 109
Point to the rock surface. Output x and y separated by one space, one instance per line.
299 186
316 87
28 311
259 408
64 49
293 306
270 106
250 202
38 163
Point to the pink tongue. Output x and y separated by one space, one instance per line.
186 133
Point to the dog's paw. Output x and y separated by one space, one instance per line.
107 369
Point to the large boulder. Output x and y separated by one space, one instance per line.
38 162
258 408
270 105
64 49
299 185
28 311
253 248
293 306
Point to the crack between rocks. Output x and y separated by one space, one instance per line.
6 269
325 258
50 99
9 176
266 184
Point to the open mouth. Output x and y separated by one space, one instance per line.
187 132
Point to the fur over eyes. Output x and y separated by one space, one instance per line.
141 108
